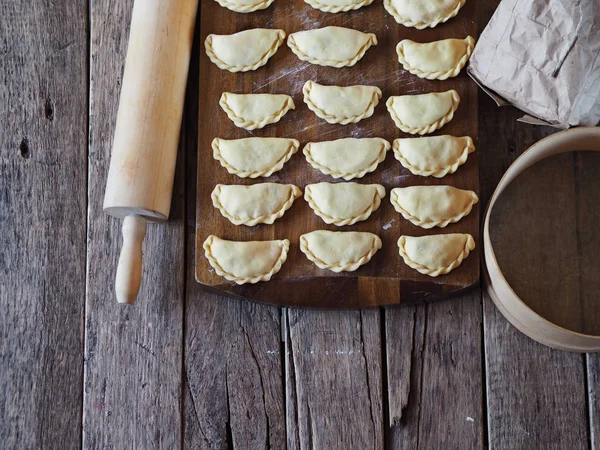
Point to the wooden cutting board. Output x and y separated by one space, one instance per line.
386 280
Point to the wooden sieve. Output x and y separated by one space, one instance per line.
518 313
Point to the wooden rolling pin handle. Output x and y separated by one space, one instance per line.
129 270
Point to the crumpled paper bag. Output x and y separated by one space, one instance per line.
543 56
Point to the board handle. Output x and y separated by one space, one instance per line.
129 270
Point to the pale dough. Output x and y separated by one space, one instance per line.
344 203
422 13
436 60
341 105
436 254
339 250
246 262
423 113
253 111
243 51
433 206
334 6
254 157
434 156
347 158
245 6
254 204
331 46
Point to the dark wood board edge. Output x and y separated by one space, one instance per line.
348 292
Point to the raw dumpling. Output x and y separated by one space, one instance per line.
433 206
245 6
437 60
436 254
422 13
423 113
334 6
246 262
253 111
434 156
344 203
342 105
331 46
347 158
339 250
254 204
243 51
254 157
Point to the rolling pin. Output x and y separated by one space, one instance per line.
144 152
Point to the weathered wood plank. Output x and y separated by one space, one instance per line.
587 189
434 372
541 262
43 138
132 376
233 388
434 355
404 333
593 379
233 373
404 341
536 396
333 379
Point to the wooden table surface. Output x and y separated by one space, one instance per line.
183 368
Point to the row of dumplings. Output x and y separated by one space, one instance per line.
335 47
342 204
254 261
414 114
346 158
411 13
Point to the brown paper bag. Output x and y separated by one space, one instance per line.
543 56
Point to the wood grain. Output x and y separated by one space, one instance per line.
587 189
43 135
300 282
535 395
432 350
434 355
333 379
553 268
133 355
586 166
593 389
531 389
541 262
404 332
233 375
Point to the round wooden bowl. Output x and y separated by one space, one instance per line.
508 302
